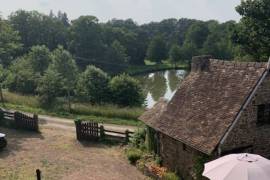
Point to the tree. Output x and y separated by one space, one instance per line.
39 29
175 54
197 34
64 65
22 77
253 31
86 40
157 50
93 85
49 87
9 43
117 53
39 58
2 79
126 91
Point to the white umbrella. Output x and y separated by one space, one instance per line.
238 167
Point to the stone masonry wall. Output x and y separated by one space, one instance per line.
247 132
175 158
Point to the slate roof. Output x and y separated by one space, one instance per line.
207 102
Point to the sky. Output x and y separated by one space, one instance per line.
142 11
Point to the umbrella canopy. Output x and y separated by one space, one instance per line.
238 167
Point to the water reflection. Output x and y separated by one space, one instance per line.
160 84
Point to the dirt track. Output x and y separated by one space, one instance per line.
59 155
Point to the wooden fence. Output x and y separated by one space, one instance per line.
92 131
19 120
87 130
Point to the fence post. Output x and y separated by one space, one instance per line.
38 172
127 136
102 132
16 119
35 117
78 128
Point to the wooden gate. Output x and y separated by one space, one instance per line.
87 130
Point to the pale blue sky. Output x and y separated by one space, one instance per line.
142 11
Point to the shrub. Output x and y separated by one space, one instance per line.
134 155
200 160
93 85
126 91
170 176
138 140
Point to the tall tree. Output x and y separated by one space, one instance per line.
64 65
157 49
39 29
253 32
9 43
86 39
175 54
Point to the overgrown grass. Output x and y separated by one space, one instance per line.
102 114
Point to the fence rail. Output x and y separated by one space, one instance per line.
92 131
19 120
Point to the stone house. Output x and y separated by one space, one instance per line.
221 107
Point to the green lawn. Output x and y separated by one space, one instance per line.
102 113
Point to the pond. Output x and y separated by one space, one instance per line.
160 84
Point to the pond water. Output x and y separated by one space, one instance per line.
160 84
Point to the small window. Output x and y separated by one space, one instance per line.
184 147
263 114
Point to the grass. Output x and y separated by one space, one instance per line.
152 67
99 113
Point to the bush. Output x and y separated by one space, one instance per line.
134 155
93 85
126 91
138 140
170 176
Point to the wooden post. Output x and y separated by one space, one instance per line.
78 128
102 132
127 136
38 172
16 119
35 117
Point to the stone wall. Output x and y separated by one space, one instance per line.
246 132
177 158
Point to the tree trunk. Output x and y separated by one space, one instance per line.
69 103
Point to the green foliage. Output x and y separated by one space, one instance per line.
49 87
21 77
39 58
138 139
9 43
126 91
39 29
175 53
117 53
3 74
253 31
93 85
157 49
133 155
170 176
86 40
200 160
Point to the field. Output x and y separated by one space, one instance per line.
60 156
103 113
